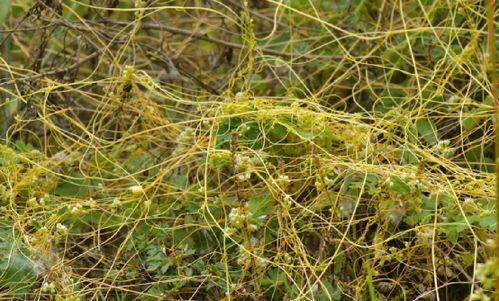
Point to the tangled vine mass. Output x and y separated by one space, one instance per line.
245 150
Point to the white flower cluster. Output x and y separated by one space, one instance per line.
425 235
319 185
396 254
76 209
32 202
346 208
259 158
244 176
488 272
48 287
91 203
240 96
288 200
388 182
411 179
5 193
239 216
396 212
116 204
61 229
355 139
41 237
136 190
443 148
283 180
243 167
469 205
325 183
242 129
186 136
287 258
43 199
244 258
128 72
184 139
243 162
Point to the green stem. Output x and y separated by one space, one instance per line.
370 284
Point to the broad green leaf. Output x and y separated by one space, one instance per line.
474 156
487 221
427 130
4 10
74 187
23 147
392 97
16 269
331 294
408 157
471 121
274 278
278 132
412 133
260 204
397 185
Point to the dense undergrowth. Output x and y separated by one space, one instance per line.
260 150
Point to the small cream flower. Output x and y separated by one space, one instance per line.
136 190
61 229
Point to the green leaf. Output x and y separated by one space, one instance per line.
412 133
399 186
391 97
411 219
473 156
452 236
371 184
427 131
260 207
331 294
153 265
16 269
278 132
4 10
138 162
220 159
408 157
339 263
177 182
74 187
394 55
23 147
470 123
488 165
487 221
429 203
453 229
274 278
